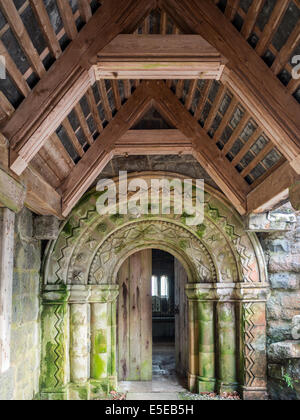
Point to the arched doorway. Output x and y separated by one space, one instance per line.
227 289
152 322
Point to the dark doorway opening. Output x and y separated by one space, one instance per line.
163 314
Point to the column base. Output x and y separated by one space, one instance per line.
90 390
206 385
79 392
54 396
192 382
102 387
253 394
227 387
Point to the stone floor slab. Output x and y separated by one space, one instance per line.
154 396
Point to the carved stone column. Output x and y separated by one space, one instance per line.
202 374
103 339
206 381
253 340
227 356
54 355
79 342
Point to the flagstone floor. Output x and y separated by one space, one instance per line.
165 384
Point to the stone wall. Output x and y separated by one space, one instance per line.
282 251
21 381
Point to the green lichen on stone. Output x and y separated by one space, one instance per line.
100 343
48 366
117 218
201 230
102 227
99 366
183 244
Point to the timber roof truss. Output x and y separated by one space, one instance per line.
74 103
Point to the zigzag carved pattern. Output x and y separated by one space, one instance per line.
250 350
236 239
63 250
58 375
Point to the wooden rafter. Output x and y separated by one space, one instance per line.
67 16
85 9
217 166
238 131
110 142
83 123
94 109
231 8
100 153
272 190
10 12
272 25
14 72
251 18
215 108
42 16
284 54
105 103
48 104
247 75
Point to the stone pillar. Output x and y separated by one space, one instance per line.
54 352
78 343
7 231
103 339
202 375
227 357
206 381
99 345
253 340
193 347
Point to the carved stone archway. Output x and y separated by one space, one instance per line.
227 293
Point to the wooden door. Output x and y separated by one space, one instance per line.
181 320
135 318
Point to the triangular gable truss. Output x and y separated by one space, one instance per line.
153 94
49 101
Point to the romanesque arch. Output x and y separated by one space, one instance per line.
227 292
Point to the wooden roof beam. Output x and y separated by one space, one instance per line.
153 142
44 21
272 191
30 190
251 18
101 151
159 57
16 24
247 75
204 150
53 97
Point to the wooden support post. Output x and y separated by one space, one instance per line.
12 193
7 231
295 195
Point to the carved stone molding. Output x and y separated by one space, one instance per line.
226 273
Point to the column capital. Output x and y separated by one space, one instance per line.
56 294
246 292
